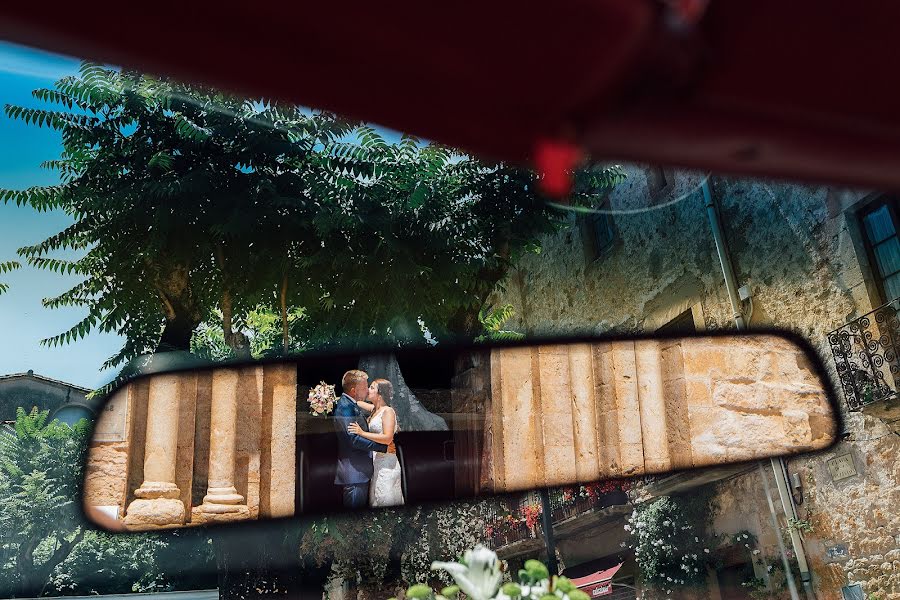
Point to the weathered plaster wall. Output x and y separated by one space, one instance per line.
800 251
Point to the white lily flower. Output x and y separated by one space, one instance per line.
479 578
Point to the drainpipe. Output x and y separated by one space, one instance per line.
549 537
724 256
778 466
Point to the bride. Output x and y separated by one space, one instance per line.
385 487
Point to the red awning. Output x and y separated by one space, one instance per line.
595 578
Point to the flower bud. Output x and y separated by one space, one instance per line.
578 595
419 591
565 585
536 570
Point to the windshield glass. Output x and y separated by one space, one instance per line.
140 215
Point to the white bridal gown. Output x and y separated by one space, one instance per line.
385 488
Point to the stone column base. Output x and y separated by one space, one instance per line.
154 513
219 513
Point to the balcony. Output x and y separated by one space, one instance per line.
518 530
867 361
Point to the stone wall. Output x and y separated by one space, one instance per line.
800 251
195 447
582 412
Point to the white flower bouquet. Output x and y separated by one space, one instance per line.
321 400
478 575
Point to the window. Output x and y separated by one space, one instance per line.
853 591
880 227
683 323
597 233
73 413
657 181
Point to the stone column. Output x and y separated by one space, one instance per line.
157 503
627 412
222 501
652 399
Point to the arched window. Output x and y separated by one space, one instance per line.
72 413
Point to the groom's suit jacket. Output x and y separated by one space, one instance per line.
354 451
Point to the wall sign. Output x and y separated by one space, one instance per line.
602 589
842 467
110 425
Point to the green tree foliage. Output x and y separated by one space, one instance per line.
172 189
671 540
40 469
191 205
492 323
44 547
392 549
6 267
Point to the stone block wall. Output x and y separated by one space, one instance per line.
582 412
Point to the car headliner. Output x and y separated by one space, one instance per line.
804 90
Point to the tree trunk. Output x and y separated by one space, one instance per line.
183 315
464 325
28 587
177 334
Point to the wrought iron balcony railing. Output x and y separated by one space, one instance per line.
866 356
521 519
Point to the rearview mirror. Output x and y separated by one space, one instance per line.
190 445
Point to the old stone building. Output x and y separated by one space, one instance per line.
813 260
62 400
810 259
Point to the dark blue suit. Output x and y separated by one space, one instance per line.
354 467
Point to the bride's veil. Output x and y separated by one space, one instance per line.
410 412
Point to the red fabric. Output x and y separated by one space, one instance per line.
555 162
804 89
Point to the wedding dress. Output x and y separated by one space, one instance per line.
385 488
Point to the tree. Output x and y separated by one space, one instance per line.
6 267
392 549
40 469
168 187
191 205
44 547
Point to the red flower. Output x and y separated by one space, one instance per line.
532 513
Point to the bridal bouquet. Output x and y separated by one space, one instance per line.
321 399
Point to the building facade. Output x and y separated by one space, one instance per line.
815 260
62 400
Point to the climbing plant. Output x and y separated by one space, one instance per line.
671 540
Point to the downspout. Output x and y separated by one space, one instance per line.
778 466
724 256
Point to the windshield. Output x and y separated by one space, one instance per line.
140 215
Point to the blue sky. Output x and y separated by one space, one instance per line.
24 322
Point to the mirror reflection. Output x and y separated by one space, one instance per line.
324 434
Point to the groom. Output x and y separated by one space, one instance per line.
354 467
